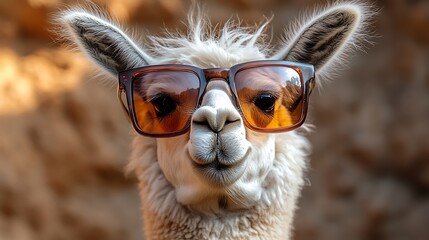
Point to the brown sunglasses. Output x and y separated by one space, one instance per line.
271 96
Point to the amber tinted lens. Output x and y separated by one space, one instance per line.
164 100
271 97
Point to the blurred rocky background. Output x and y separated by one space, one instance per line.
64 141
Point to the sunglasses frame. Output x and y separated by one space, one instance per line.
306 73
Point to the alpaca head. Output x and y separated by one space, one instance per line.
218 163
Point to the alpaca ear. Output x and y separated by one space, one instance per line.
103 42
324 38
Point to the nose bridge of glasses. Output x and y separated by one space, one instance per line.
217 78
216 74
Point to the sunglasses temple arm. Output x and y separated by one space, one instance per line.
311 85
126 111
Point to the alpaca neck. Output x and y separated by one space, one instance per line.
269 218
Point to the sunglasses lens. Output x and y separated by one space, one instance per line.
271 97
164 100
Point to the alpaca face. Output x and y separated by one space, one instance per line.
219 164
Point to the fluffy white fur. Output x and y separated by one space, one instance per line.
255 197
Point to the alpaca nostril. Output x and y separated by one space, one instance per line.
206 116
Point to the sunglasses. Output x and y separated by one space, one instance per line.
271 96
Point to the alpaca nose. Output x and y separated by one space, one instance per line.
217 109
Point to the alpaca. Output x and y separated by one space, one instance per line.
218 178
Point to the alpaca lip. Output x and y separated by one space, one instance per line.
216 163
218 174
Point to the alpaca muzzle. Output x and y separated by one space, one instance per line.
218 157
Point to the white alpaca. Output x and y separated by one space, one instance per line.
253 195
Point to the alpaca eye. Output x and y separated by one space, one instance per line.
265 102
163 105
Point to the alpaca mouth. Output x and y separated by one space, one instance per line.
219 174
